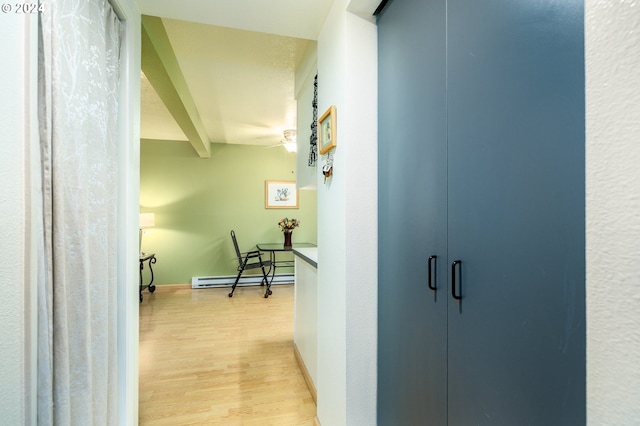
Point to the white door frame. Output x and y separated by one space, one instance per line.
128 208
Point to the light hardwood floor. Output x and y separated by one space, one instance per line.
207 359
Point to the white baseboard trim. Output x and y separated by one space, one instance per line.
228 280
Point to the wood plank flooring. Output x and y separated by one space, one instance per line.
207 359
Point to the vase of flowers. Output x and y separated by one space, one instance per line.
287 226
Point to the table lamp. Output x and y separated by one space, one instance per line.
147 220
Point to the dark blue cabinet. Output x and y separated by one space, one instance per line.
481 161
413 216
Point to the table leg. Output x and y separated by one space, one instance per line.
272 267
151 287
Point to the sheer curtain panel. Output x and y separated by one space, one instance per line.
79 44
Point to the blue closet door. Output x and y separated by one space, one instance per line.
412 214
516 340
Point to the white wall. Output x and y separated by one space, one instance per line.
347 223
361 208
613 211
17 42
128 208
331 385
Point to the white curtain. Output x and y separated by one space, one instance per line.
79 44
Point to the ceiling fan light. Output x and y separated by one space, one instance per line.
290 146
290 135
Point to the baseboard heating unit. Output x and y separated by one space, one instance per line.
228 280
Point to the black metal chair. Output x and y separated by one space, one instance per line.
250 260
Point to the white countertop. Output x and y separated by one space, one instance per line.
309 254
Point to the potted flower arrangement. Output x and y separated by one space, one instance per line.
287 226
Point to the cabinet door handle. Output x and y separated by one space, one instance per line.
455 266
431 270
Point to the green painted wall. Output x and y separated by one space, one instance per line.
197 201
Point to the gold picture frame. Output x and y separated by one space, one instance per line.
327 136
280 194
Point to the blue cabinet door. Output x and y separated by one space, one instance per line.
515 102
481 160
412 214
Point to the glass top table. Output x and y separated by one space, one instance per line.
280 247
274 248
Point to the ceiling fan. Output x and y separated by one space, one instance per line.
289 142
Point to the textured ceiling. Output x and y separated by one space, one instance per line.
241 79
293 18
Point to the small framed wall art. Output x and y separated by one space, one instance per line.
280 194
327 137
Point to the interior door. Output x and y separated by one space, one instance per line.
412 338
516 212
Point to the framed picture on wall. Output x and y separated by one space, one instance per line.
280 194
327 136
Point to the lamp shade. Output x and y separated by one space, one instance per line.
147 220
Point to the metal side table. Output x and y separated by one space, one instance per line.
150 258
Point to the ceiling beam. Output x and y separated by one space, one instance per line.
161 68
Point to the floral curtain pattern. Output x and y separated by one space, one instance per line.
78 67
